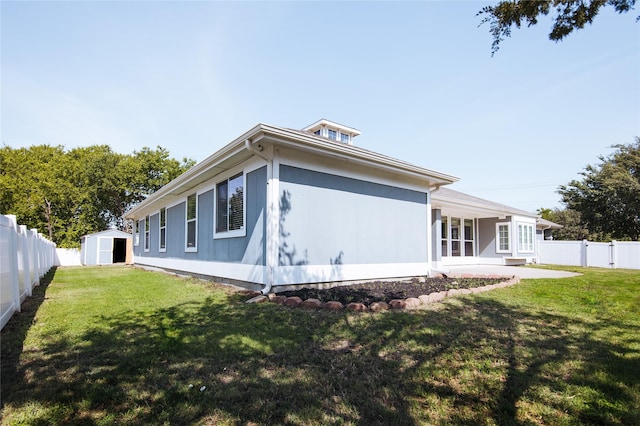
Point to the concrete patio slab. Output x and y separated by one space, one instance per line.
518 271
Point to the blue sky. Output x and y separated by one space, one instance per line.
416 78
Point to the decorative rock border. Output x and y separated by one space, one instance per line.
395 304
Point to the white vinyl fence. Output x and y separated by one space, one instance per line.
25 257
67 257
615 254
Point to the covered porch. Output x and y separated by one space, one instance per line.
468 230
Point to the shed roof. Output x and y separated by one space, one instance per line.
547 224
109 233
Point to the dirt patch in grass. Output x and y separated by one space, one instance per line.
385 291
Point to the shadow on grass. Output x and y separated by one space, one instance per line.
469 361
15 332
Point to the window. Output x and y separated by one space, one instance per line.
455 236
230 206
445 234
503 238
332 134
525 237
344 138
192 222
317 132
468 237
163 229
136 233
458 237
146 233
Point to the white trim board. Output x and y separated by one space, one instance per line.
289 275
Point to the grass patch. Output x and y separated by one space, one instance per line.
120 345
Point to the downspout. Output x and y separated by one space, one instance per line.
445 273
258 151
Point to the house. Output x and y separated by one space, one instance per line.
545 229
473 230
279 206
106 248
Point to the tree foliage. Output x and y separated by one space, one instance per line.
608 196
573 229
67 194
570 15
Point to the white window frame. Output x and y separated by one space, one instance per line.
332 134
136 233
187 221
456 237
461 240
242 232
345 138
147 234
526 237
444 237
508 226
162 227
465 241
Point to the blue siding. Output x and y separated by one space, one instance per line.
436 234
208 248
306 177
154 237
329 219
175 231
487 238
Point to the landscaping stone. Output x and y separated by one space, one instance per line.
258 299
279 299
358 307
292 301
397 304
379 306
412 302
311 304
332 305
436 297
372 295
424 298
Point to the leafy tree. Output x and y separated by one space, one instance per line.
67 194
570 15
608 196
573 229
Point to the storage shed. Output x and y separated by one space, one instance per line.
106 248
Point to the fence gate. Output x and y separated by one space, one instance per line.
614 254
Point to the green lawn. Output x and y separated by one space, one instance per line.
107 345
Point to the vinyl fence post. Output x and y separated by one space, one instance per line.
585 245
13 261
612 254
24 252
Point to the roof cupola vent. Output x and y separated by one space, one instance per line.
334 131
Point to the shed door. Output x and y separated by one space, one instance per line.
105 250
119 250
